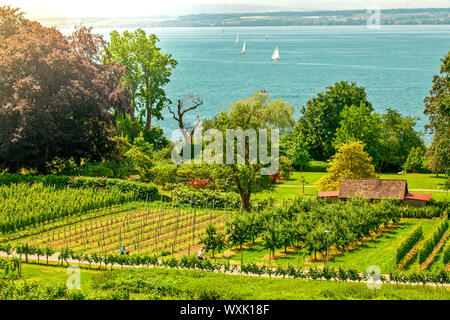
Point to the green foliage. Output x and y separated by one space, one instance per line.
317 166
438 111
148 71
408 244
213 241
321 116
117 169
205 197
294 146
285 167
140 190
351 161
446 255
415 160
399 137
23 205
358 123
255 113
163 173
431 243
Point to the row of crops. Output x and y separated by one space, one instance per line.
425 249
313 225
185 262
147 229
27 205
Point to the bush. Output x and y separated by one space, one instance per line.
118 169
431 243
202 197
141 190
50 180
408 244
446 256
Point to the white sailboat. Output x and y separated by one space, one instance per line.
276 54
237 39
243 49
267 36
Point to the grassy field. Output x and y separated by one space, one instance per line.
379 251
184 284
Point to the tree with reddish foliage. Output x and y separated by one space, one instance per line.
56 95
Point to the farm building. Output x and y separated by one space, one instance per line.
377 189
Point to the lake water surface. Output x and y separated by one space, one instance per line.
396 64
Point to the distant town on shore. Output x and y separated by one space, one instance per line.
424 16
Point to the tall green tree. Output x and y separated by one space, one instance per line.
321 116
296 149
257 112
415 160
358 123
437 108
351 161
148 71
399 136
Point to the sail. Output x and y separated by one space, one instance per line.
267 36
276 54
243 49
237 39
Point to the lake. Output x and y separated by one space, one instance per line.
395 64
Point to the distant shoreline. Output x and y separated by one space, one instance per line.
387 17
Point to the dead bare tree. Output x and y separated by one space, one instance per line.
187 131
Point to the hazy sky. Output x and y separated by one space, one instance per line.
117 8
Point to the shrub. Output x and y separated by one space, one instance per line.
408 244
431 243
202 197
140 190
446 256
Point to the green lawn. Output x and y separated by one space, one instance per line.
182 284
380 251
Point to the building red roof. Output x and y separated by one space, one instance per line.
418 196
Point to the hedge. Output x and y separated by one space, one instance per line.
446 257
441 277
141 190
201 198
431 243
408 244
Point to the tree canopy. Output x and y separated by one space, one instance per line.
351 161
322 115
148 71
56 96
257 112
437 108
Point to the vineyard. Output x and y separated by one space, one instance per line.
100 221
145 229
24 205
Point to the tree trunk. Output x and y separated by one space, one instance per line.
149 115
245 201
